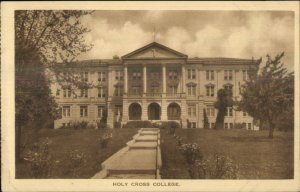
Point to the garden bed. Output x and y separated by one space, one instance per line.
257 156
63 141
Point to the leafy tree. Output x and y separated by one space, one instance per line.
42 38
206 123
224 100
269 94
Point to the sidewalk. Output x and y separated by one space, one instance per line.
140 159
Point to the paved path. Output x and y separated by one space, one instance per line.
140 159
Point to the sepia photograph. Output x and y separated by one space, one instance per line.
161 95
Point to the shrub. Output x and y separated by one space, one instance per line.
170 125
173 125
239 126
217 167
104 139
38 159
138 124
178 140
191 152
76 160
117 124
166 124
101 124
76 125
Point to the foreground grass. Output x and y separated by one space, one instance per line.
85 140
257 156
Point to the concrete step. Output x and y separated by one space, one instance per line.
148 132
146 138
142 145
150 129
137 161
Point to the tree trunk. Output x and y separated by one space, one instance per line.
260 124
271 129
220 118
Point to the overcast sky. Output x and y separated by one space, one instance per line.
240 34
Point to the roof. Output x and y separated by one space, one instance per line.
154 45
169 52
222 61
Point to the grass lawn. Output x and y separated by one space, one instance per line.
85 140
257 156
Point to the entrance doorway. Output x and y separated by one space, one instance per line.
135 111
174 111
154 111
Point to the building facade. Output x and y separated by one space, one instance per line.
153 83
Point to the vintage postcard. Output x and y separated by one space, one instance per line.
150 96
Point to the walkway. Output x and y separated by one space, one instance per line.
140 159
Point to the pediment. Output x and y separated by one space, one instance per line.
154 51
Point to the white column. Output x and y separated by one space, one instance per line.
164 78
183 78
145 78
126 80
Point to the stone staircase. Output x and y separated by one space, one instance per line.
141 158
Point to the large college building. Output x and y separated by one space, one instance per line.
153 83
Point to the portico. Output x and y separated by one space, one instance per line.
153 77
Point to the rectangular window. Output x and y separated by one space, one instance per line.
245 75
173 89
228 75
136 75
226 125
154 75
101 111
83 111
84 76
229 112
66 111
57 92
210 91
192 111
119 75
244 114
101 92
192 90
173 74
102 76
136 90
83 92
118 110
231 125
228 87
192 125
119 91
210 75
191 73
67 93
249 126
210 111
